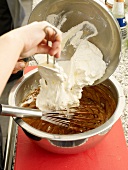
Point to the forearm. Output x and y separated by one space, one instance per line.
10 50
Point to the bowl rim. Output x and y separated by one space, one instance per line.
70 137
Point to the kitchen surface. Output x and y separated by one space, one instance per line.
121 74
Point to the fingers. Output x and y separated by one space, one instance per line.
52 33
20 65
55 50
36 41
55 36
40 49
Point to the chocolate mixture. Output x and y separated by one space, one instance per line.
96 107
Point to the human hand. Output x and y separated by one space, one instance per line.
34 38
20 65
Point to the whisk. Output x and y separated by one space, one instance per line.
47 35
55 117
73 119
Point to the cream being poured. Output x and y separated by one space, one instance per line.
62 89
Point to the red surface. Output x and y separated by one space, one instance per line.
29 68
110 154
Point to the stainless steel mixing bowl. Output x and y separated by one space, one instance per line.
68 144
108 39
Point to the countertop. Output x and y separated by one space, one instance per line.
121 74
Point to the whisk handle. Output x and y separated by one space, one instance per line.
6 110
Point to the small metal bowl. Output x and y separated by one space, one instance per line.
67 144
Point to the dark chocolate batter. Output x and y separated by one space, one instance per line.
96 107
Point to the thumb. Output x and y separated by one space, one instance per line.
20 65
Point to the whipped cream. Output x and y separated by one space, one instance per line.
53 95
62 88
61 85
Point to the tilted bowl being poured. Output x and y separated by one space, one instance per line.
70 14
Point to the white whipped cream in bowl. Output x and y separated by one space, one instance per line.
61 83
61 86
52 88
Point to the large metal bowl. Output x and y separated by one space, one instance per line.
68 144
108 39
